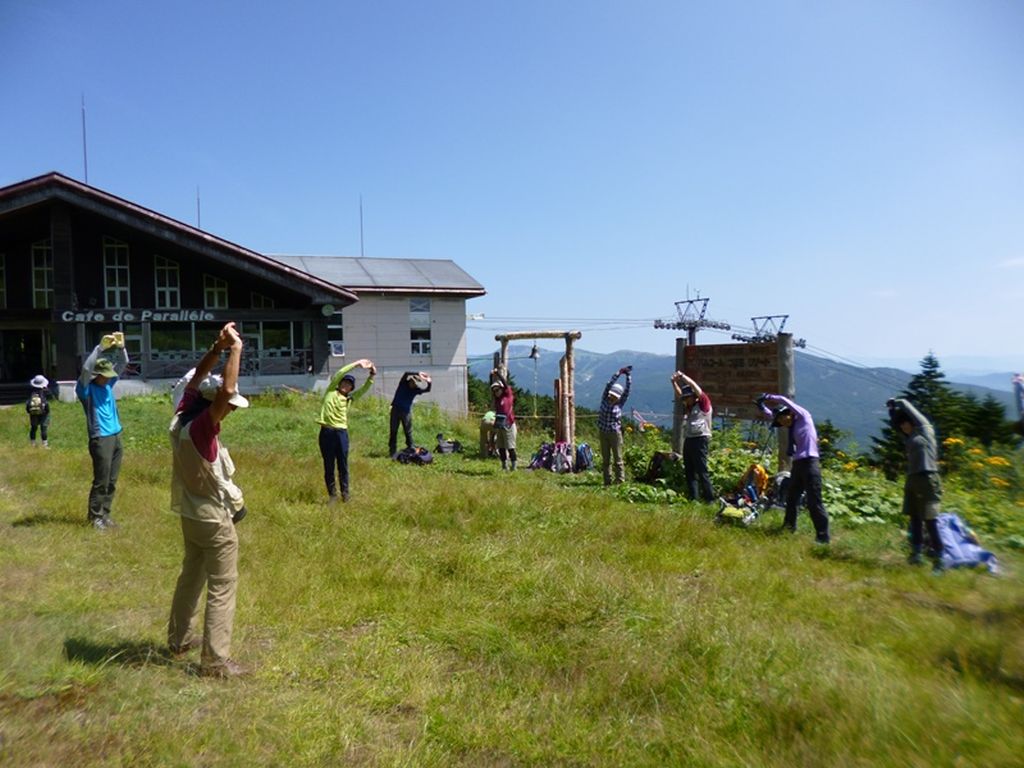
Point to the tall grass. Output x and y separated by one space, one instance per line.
455 615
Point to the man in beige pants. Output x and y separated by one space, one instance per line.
209 503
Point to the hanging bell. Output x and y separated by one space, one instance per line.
535 353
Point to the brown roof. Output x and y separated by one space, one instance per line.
56 186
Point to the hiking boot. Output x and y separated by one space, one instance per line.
239 515
344 496
34 443
332 499
504 466
915 559
512 467
98 524
46 443
223 671
109 523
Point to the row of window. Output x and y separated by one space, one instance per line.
167 282
117 284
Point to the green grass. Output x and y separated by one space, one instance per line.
453 615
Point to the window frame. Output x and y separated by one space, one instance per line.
121 291
171 293
43 248
214 287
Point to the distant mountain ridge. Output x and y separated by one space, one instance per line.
852 398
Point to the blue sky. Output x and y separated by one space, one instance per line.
858 165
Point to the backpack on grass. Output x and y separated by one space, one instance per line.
562 460
447 446
584 457
417 455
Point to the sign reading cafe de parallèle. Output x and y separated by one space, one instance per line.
138 316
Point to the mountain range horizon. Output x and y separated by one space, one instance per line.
851 396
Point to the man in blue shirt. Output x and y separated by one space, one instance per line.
411 385
95 390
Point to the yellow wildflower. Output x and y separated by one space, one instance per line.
850 466
975 451
951 441
998 482
997 461
977 466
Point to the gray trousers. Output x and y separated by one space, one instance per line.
611 457
106 466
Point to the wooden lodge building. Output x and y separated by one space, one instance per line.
77 262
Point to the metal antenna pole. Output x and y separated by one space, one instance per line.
360 226
85 151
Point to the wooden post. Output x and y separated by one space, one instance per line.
562 427
787 387
565 386
678 415
570 395
558 406
503 370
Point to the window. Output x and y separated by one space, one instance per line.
42 275
336 335
3 281
215 292
419 325
259 301
420 342
115 274
168 283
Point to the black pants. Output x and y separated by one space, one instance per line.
106 466
805 479
695 462
40 423
334 450
917 526
405 419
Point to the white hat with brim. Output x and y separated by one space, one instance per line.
40 382
209 387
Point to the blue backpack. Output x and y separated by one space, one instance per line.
584 457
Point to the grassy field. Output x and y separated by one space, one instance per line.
454 615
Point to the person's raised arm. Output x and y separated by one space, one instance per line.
90 362
697 391
211 358
915 415
221 405
369 379
121 363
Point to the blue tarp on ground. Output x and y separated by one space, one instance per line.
960 547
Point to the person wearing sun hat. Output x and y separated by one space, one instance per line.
697 413
333 421
38 409
609 425
210 504
95 391
504 420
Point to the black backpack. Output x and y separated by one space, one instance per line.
417 455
